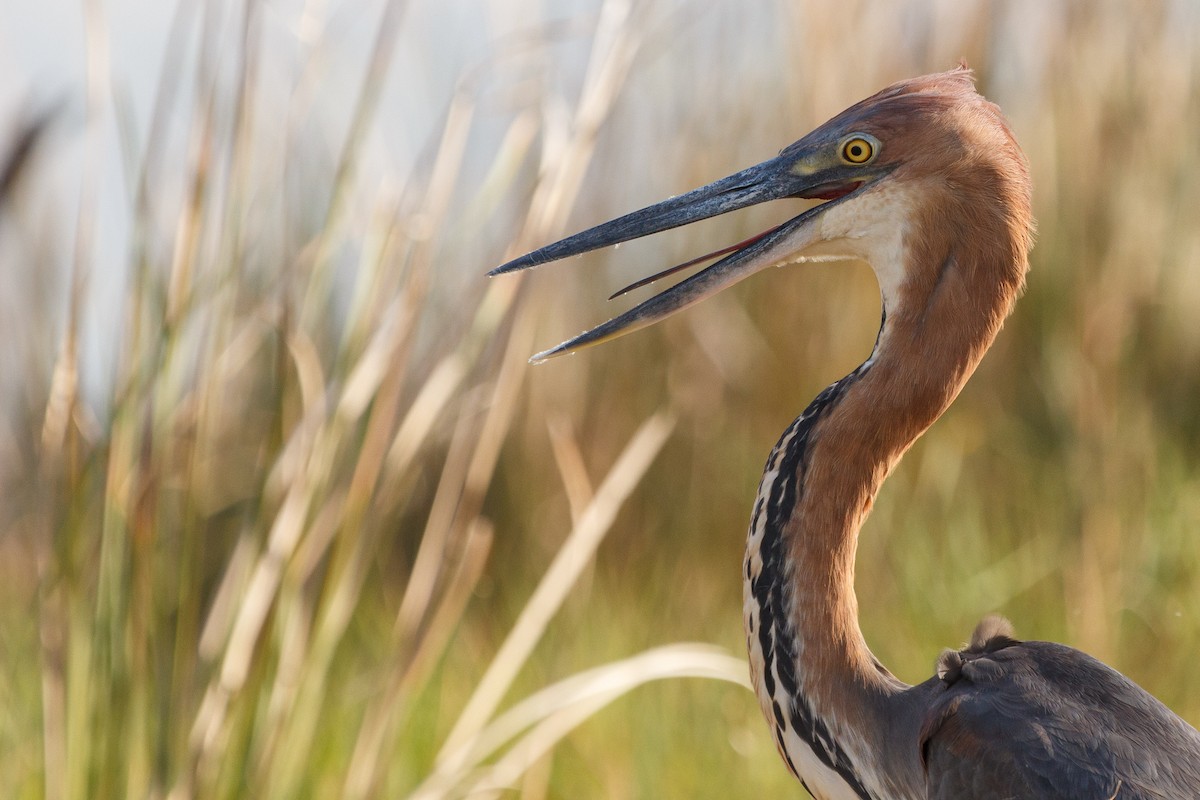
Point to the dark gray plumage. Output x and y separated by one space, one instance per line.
1041 720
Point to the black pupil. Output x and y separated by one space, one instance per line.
856 150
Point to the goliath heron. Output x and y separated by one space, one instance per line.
926 183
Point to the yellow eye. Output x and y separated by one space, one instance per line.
857 150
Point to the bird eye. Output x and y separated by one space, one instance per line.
857 150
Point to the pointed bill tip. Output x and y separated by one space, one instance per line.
618 326
589 338
517 264
546 355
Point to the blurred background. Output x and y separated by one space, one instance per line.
284 512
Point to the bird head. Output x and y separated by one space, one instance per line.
920 166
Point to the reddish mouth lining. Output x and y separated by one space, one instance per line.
823 192
831 191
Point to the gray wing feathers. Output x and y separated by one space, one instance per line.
1039 720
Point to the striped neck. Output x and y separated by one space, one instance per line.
822 690
785 657
825 695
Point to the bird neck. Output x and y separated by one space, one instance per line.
819 684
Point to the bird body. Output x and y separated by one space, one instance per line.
1044 720
926 183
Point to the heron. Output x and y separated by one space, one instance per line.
925 182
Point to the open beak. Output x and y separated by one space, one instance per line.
770 180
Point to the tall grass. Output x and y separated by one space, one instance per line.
324 533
